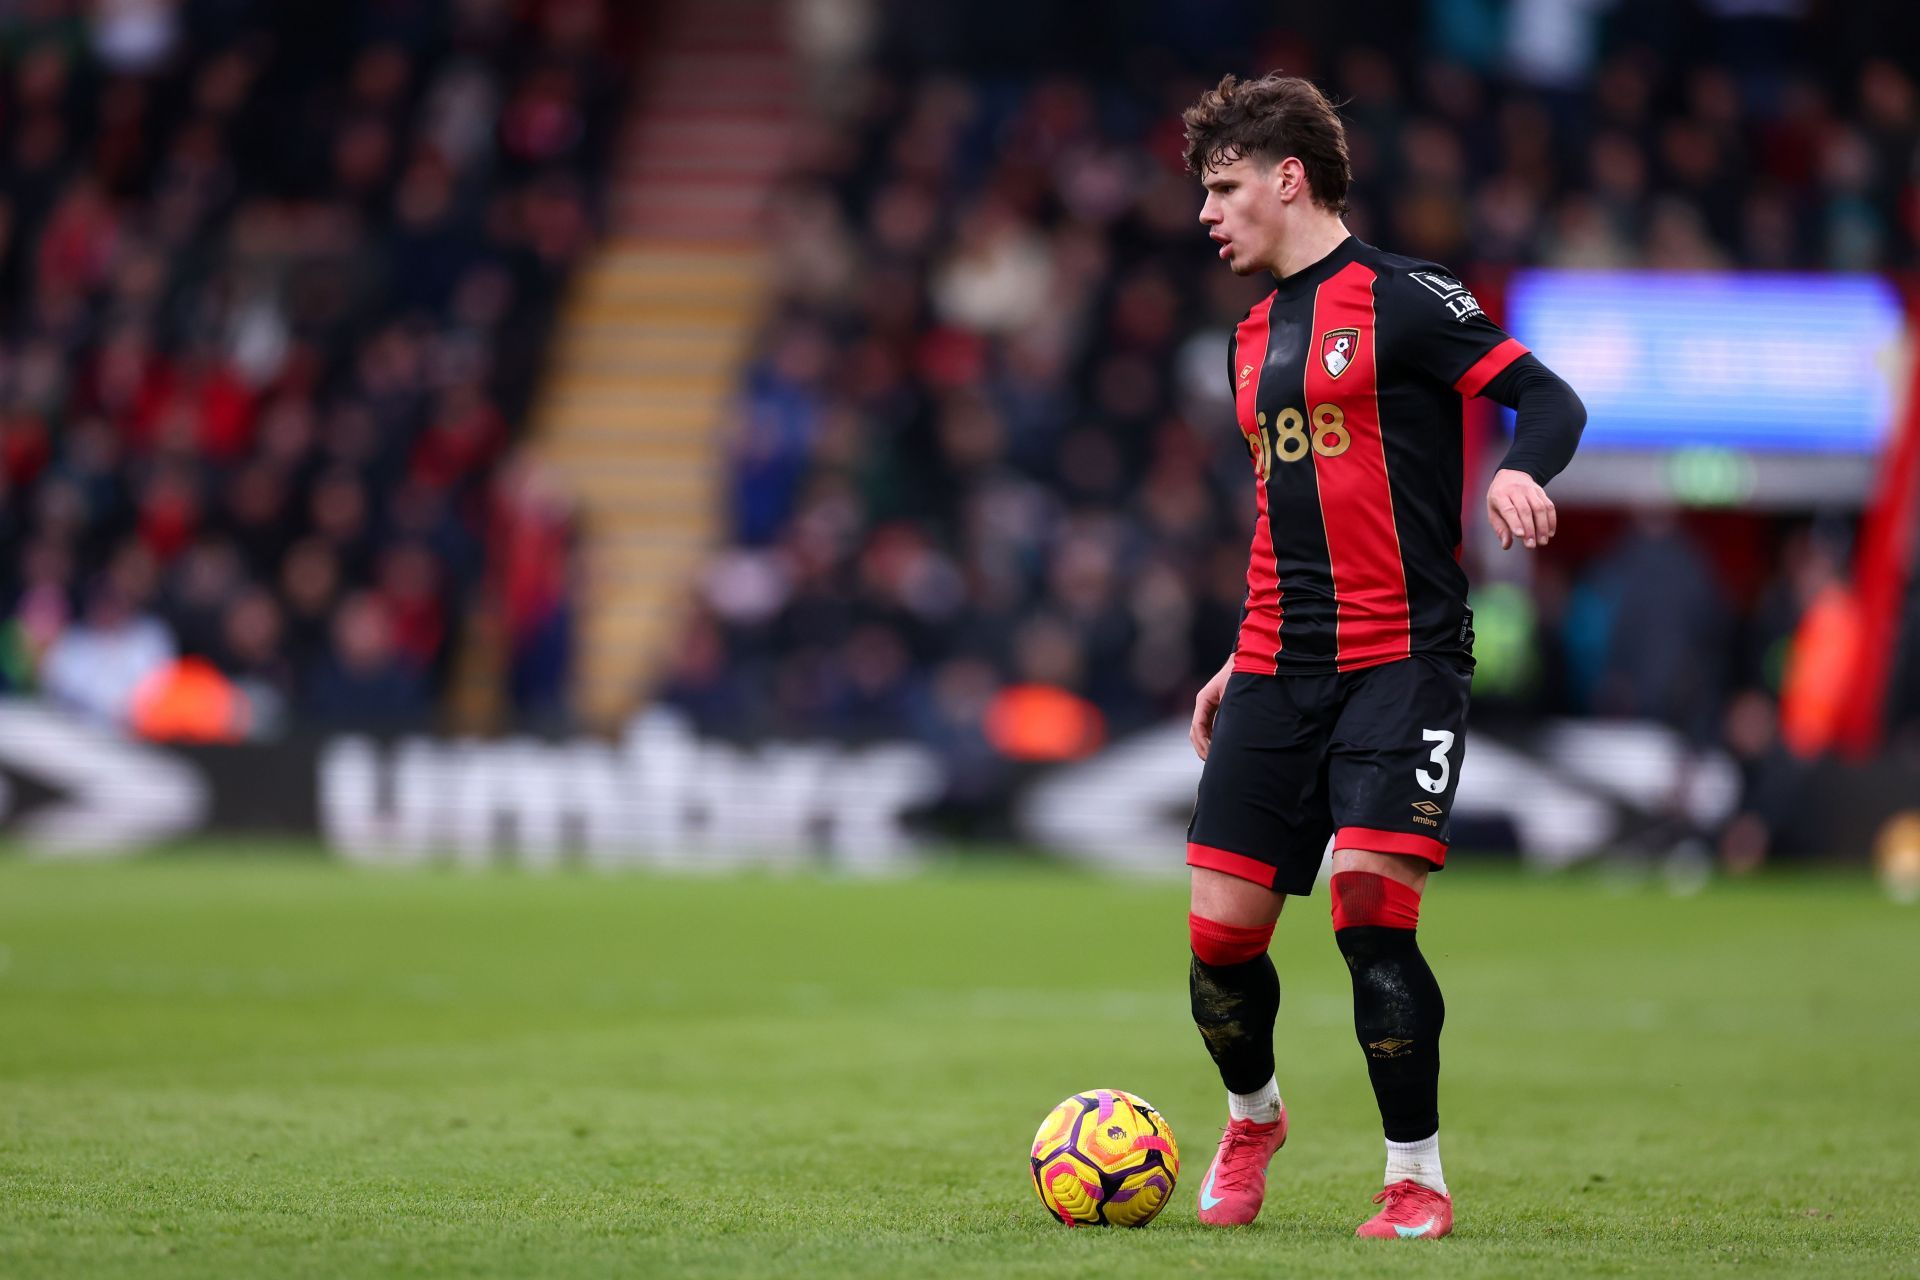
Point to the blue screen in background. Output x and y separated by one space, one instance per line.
1776 363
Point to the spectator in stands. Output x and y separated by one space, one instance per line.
365 678
97 663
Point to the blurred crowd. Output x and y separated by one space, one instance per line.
986 445
277 274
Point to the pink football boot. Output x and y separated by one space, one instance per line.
1237 1181
1412 1212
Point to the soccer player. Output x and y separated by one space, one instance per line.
1341 712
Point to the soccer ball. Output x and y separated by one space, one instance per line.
1105 1158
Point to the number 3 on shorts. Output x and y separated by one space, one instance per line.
1442 740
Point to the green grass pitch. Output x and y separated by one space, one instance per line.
282 1067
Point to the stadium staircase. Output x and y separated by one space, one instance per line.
632 416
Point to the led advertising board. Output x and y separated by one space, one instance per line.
1758 363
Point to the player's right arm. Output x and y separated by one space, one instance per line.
1206 705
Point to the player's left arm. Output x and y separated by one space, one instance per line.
1444 334
1548 420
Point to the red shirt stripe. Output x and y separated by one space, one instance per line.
1258 647
1356 497
1488 367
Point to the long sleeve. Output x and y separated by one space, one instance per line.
1548 418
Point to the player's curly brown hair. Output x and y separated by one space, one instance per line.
1275 116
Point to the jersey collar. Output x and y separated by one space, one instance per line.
1309 276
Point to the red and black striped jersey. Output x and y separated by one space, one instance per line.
1347 383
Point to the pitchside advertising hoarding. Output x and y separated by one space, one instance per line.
660 795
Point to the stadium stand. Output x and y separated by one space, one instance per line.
280 277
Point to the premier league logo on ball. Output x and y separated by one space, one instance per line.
1336 349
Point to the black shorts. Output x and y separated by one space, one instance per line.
1370 757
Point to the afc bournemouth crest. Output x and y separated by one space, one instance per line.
1337 349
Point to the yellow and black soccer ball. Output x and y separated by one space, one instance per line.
1105 1158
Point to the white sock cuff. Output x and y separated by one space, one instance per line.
1262 1106
1419 1161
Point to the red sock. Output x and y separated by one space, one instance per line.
1220 944
1368 898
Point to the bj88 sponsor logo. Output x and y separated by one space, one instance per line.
1292 436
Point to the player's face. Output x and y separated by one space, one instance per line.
1242 212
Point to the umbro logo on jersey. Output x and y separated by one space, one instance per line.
1337 349
1427 807
1246 371
1461 304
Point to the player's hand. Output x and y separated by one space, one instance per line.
1517 507
1205 706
